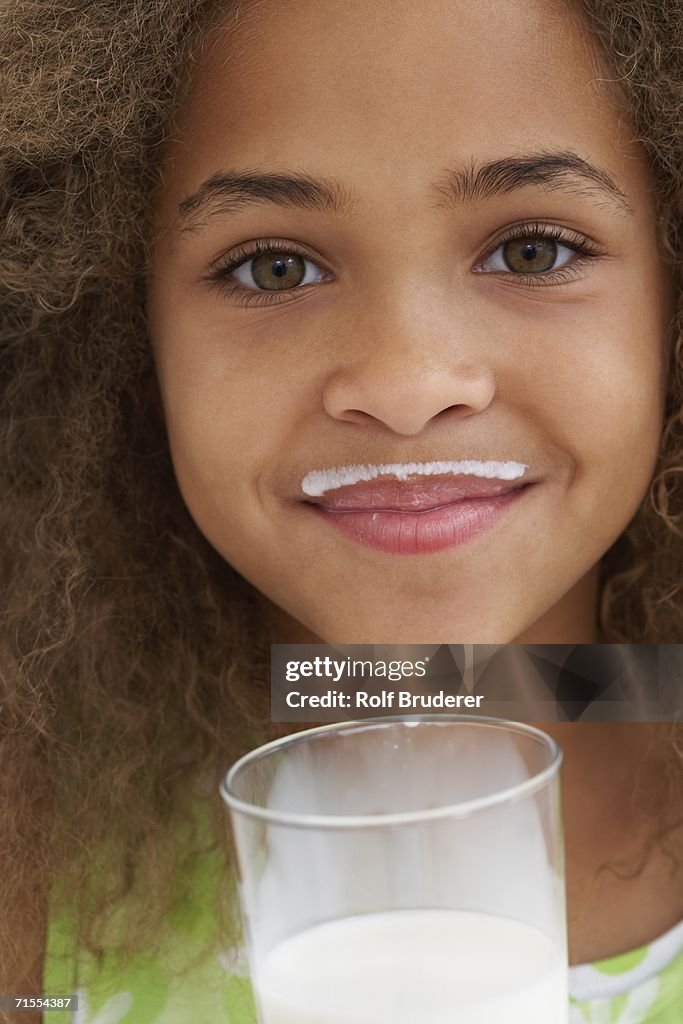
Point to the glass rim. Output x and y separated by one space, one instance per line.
459 809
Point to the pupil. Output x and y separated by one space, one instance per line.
519 255
272 271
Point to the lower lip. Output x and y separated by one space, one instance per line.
422 533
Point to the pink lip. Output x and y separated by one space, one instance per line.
418 516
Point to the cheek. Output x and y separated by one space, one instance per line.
610 406
633 379
231 418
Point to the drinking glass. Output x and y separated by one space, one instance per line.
403 871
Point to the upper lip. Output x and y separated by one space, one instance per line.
427 492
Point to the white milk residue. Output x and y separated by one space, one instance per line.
318 481
409 966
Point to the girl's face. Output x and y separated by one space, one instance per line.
395 234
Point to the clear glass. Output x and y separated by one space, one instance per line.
403 870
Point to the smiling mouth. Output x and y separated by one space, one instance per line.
416 496
421 516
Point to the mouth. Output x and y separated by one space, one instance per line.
418 516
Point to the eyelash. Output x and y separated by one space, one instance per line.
586 252
219 276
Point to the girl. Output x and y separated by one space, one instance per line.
353 322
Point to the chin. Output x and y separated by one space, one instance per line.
410 625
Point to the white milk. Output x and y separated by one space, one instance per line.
414 967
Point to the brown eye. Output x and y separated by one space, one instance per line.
274 271
530 255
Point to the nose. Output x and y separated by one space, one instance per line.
405 385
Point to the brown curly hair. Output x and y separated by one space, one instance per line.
121 630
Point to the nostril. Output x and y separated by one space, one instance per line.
357 416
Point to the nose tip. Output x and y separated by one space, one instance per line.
406 402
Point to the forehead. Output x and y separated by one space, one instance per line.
368 84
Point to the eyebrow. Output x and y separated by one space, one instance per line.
228 192
231 191
562 172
